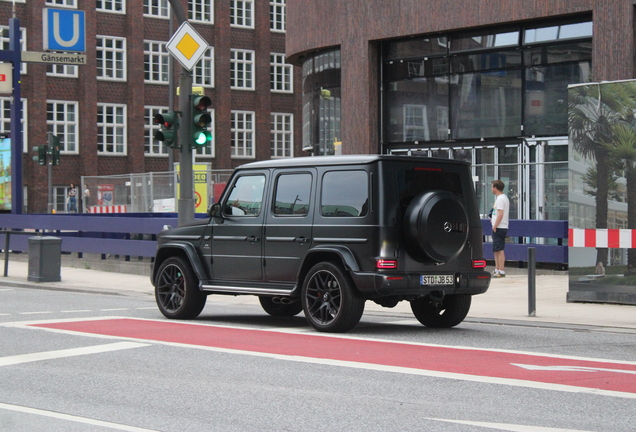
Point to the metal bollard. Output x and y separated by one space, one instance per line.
532 290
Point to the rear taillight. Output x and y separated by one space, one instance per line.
385 264
479 263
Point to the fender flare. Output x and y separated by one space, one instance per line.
189 251
343 252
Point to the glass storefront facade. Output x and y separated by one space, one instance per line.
321 103
496 98
492 84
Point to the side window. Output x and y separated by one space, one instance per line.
292 195
246 197
345 194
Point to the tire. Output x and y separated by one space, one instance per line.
280 309
177 290
452 310
435 227
330 300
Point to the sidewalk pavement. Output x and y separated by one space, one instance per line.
505 300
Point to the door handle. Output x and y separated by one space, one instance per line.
301 239
253 239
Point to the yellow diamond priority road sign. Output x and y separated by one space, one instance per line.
187 46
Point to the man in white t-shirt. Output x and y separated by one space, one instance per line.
499 220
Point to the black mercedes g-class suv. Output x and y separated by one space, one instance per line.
325 234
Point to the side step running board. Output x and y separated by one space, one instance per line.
247 290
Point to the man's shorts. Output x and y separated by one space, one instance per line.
499 239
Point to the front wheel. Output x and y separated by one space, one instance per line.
330 300
445 314
177 290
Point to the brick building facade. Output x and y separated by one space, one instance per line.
103 110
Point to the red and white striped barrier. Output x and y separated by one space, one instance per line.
604 238
107 209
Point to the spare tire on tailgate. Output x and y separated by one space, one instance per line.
435 227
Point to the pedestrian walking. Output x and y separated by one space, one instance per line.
499 220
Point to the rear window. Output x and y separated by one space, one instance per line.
412 181
345 194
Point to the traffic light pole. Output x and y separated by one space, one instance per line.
185 205
186 184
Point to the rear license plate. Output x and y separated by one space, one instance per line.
437 279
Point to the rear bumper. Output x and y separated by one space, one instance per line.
374 285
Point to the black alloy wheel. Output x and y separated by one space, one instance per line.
330 300
177 290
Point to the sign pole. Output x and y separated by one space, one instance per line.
16 120
186 201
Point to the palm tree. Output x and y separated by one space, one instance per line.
622 149
592 110
590 181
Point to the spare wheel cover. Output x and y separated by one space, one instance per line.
436 225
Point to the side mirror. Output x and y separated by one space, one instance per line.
215 210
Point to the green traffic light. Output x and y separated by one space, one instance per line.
202 138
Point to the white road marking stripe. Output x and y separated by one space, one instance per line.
35 313
508 427
76 311
48 355
571 369
114 309
72 418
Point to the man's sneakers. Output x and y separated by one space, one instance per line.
498 274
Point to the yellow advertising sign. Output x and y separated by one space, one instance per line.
201 186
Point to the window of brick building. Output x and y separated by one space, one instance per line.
153 147
61 71
242 69
4 44
201 11
280 74
242 124
155 62
67 3
62 120
203 72
282 135
156 8
277 15
242 13
117 6
111 129
5 120
111 58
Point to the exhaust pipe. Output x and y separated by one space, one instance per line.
283 300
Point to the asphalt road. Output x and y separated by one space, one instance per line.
88 362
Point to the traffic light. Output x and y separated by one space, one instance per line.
201 120
169 125
54 146
41 154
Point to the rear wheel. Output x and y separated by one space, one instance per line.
177 290
445 314
330 300
280 309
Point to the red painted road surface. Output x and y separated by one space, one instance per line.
590 374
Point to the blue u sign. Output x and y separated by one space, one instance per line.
64 30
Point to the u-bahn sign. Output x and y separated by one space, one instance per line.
64 30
